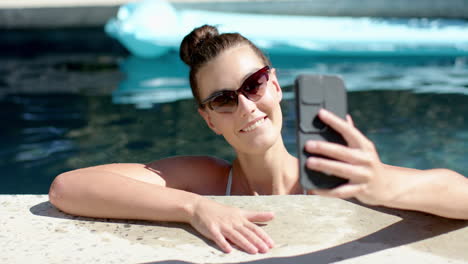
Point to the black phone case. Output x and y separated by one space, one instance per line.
314 92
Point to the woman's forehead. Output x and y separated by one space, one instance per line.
228 70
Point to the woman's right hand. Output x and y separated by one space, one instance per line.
222 223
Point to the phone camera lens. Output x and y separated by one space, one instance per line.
317 123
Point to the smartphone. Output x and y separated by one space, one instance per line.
314 92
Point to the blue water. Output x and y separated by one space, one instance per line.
66 111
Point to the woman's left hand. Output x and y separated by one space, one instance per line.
358 162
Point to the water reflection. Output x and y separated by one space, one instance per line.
413 109
154 81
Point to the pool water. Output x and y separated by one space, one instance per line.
66 111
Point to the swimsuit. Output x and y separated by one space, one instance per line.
229 184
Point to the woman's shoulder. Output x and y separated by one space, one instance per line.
191 162
199 174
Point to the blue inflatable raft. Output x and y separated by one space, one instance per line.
152 28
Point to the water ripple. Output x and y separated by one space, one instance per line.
37 151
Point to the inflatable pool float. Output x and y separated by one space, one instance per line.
152 28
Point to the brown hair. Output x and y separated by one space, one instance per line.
205 43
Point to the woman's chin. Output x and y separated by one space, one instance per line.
259 144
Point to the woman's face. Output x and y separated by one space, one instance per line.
254 126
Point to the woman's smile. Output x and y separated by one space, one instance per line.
254 124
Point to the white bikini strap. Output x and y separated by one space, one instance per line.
228 187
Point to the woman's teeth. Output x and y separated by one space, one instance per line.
254 126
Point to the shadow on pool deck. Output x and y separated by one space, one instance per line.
101 225
406 231
413 227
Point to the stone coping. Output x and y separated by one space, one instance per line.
306 229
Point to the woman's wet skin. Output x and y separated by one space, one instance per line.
161 190
227 72
253 127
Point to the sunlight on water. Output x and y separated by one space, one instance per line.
67 112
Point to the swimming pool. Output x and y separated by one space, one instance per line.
65 111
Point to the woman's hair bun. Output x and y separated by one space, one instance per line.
192 42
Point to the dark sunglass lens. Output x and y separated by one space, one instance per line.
254 87
224 103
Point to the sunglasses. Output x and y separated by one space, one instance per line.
253 88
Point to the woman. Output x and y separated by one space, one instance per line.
239 98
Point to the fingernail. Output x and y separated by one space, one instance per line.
272 244
323 111
254 250
264 249
227 249
311 144
312 161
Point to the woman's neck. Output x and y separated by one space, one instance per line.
270 173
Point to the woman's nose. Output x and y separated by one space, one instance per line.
245 106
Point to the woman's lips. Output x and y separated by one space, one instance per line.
254 124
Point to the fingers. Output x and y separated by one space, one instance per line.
254 233
222 243
248 237
241 241
259 216
227 226
261 234
248 240
353 136
351 172
338 152
350 120
240 236
253 238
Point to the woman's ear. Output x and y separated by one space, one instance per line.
274 81
207 118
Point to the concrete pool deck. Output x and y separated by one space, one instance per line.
88 13
306 229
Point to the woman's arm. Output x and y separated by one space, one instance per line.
156 192
103 192
437 191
